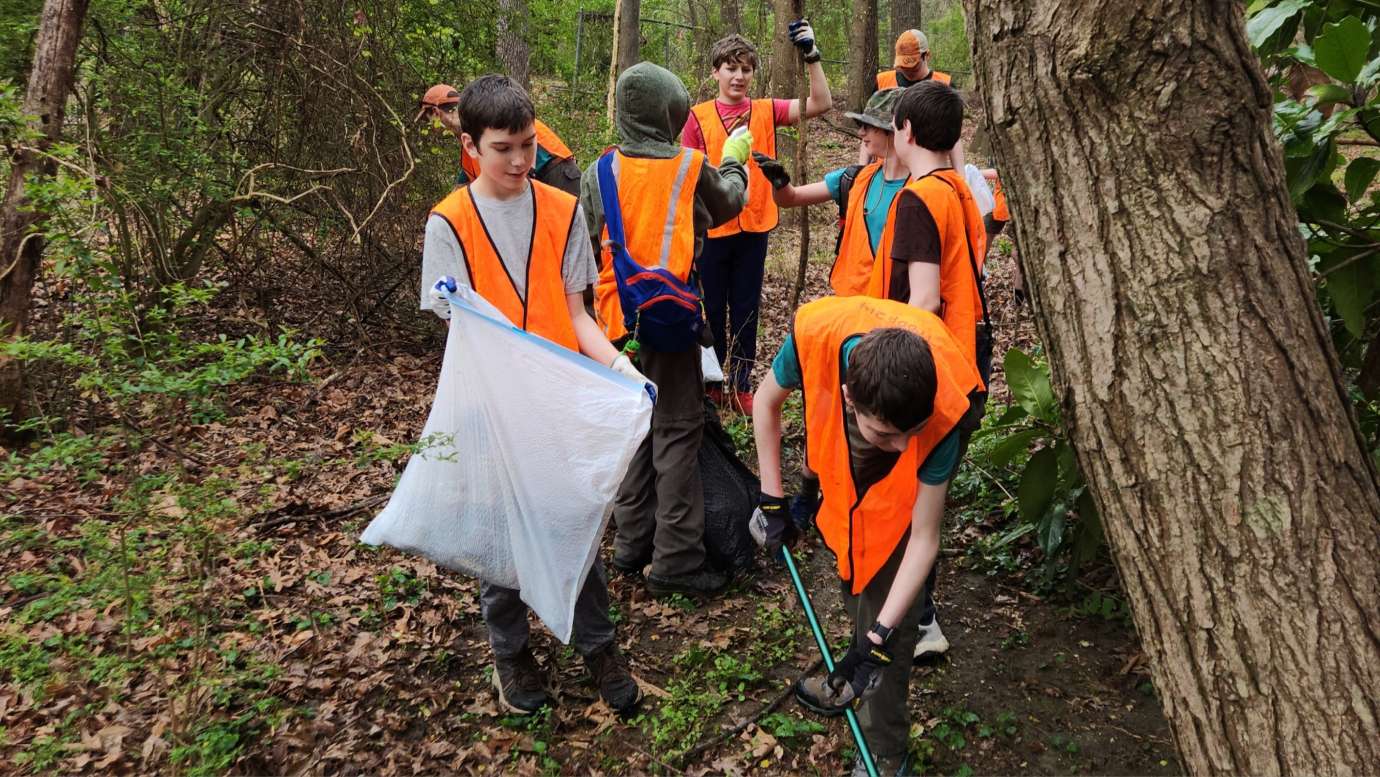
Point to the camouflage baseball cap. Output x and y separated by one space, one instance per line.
879 111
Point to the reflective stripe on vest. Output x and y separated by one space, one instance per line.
863 533
658 223
547 140
544 311
760 212
959 222
853 265
887 79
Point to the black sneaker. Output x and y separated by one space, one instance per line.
616 685
520 683
702 581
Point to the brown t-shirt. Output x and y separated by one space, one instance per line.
915 239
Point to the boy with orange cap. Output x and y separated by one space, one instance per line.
911 65
734 258
555 163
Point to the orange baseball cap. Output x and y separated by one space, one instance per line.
438 96
909 46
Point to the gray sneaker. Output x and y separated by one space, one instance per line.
932 641
886 767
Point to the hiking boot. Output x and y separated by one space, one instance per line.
702 581
616 685
520 683
886 767
932 641
818 695
631 566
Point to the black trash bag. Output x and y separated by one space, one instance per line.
730 496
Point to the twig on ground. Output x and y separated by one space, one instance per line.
762 712
339 512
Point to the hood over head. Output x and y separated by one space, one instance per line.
650 108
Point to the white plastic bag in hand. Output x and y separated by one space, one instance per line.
982 193
709 365
520 460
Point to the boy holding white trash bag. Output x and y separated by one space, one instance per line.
535 439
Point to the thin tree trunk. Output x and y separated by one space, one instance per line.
1202 393
627 16
862 54
21 237
784 61
802 148
731 16
512 40
905 15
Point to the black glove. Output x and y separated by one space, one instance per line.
772 170
860 670
771 524
803 36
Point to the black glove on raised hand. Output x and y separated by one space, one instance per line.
860 670
772 170
771 526
803 36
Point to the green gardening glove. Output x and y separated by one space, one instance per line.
738 147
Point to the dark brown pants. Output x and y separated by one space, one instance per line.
660 506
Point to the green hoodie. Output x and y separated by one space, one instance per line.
651 106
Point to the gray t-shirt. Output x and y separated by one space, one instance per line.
510 227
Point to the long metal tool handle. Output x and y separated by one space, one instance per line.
863 751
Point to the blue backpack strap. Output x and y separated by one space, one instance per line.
608 193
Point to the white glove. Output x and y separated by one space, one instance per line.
439 304
624 366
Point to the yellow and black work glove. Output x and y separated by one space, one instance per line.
858 674
772 170
771 526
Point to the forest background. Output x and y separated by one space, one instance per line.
221 370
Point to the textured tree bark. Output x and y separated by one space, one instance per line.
511 42
905 15
862 53
784 61
627 40
1195 371
731 16
21 237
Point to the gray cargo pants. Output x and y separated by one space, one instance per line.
660 506
884 717
506 616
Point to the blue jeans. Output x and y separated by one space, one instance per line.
731 271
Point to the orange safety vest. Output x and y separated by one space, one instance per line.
544 311
999 211
887 79
547 140
760 212
853 266
963 241
863 533
658 224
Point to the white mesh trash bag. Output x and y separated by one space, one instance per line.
520 460
709 366
982 193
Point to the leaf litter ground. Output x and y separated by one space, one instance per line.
205 608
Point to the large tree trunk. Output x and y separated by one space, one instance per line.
627 39
784 61
512 40
905 15
21 238
1172 292
862 53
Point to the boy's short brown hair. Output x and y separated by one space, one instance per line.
935 113
733 48
495 102
891 376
